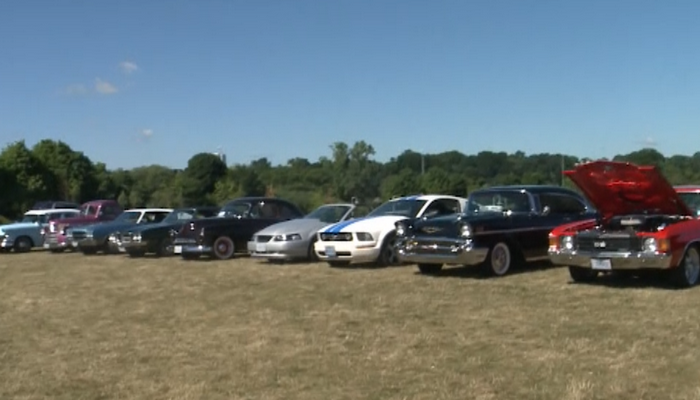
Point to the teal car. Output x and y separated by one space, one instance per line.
91 239
28 233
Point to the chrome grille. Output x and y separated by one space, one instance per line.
336 237
78 235
263 238
628 243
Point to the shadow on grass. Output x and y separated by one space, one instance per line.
477 272
644 280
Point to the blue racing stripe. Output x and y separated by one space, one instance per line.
339 226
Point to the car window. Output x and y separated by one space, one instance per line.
561 204
441 207
285 211
154 217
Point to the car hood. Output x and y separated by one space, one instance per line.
75 221
158 226
449 225
301 226
364 224
18 226
619 188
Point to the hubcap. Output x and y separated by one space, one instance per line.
222 247
500 259
692 266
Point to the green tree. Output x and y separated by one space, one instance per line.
200 177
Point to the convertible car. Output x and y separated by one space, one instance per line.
644 224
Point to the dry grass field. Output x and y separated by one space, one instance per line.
108 327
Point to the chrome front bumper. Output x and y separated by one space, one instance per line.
440 250
617 260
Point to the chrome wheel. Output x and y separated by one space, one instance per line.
691 266
388 254
500 259
223 248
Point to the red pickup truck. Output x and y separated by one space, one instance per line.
92 212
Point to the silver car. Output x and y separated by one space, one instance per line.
294 239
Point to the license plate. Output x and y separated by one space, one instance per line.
260 247
601 264
46 245
330 251
177 249
74 244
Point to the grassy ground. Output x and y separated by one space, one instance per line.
108 327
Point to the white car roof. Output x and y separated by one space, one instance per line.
52 211
428 197
149 210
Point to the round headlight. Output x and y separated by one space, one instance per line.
465 230
567 242
650 244
400 229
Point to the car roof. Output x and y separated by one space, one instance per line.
427 197
149 210
687 188
52 211
336 204
527 188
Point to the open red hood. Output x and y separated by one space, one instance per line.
619 188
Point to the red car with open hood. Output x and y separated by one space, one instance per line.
643 224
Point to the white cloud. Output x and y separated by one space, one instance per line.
128 67
76 90
104 87
147 132
649 141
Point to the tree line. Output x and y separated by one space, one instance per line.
52 170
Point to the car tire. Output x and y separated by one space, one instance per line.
387 254
429 269
311 253
499 260
164 248
582 275
687 273
23 244
223 248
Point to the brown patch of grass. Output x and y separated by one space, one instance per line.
108 327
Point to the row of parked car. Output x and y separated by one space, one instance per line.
627 220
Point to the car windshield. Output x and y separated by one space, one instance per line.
329 214
128 216
179 215
235 209
34 218
692 200
88 210
492 201
402 207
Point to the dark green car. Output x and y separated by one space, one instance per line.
157 238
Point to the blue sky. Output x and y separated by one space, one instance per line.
141 82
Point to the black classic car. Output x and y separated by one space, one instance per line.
228 233
158 238
502 226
